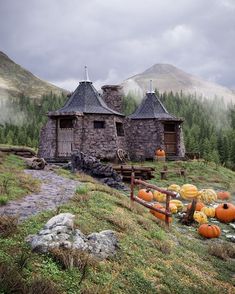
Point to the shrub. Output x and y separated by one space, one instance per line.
81 190
8 225
222 250
10 280
42 286
3 200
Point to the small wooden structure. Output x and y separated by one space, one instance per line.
141 172
149 205
181 172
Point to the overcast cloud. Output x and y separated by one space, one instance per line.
54 39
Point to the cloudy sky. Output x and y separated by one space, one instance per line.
54 39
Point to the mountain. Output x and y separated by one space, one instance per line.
15 80
168 78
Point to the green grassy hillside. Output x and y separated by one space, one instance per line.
151 258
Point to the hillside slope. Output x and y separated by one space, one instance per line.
168 78
15 80
151 259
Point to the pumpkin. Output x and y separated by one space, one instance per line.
209 231
207 195
178 204
209 211
160 152
158 196
223 195
158 214
174 188
199 206
173 208
200 217
145 194
225 212
188 191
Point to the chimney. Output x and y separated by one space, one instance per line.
113 95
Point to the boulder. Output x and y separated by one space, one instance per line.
59 232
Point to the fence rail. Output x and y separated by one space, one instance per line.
149 205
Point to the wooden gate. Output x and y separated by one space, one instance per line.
170 139
65 142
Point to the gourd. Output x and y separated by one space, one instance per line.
174 188
225 212
188 191
199 206
209 231
209 211
200 217
223 195
160 152
145 194
158 196
173 208
158 214
207 195
178 204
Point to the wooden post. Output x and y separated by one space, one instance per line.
167 209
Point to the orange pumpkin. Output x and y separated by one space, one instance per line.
225 212
199 206
209 231
145 194
158 214
160 152
223 195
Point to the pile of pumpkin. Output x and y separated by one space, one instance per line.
224 212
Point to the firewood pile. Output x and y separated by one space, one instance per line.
93 167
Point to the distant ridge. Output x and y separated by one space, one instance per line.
15 80
168 78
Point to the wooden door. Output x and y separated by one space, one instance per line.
65 137
170 139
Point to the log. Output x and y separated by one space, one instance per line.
35 163
22 151
188 218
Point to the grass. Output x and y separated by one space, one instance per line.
151 258
14 183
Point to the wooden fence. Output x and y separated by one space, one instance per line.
149 205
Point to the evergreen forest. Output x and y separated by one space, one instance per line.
209 126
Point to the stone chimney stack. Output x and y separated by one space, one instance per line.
112 95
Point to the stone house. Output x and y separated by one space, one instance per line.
95 125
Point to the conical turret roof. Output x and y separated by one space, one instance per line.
151 108
85 99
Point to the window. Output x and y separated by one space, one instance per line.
169 127
119 128
98 124
66 123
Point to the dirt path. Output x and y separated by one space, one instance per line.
55 190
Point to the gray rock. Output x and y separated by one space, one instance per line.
231 237
104 244
58 233
62 219
80 241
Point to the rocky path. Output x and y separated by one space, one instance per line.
55 190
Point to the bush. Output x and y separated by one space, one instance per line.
222 250
3 200
8 225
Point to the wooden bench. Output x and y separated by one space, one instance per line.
163 173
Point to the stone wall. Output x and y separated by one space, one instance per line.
144 137
101 143
112 95
47 141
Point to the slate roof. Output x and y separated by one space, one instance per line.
152 108
86 99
